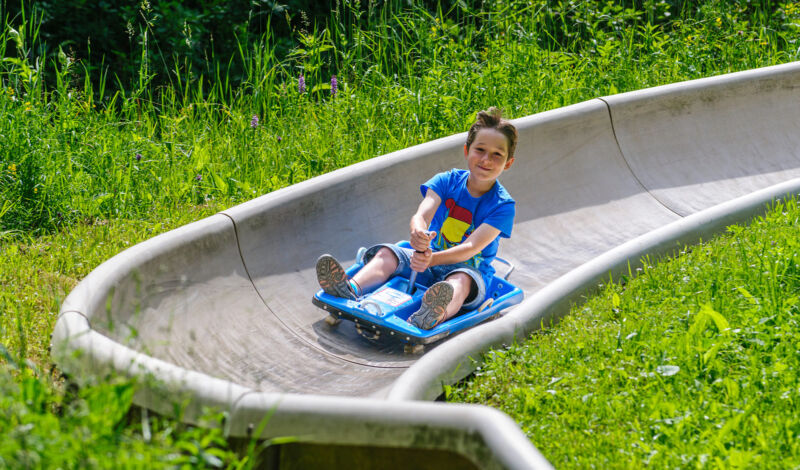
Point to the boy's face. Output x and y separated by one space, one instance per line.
487 157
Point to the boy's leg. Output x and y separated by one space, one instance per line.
377 270
462 286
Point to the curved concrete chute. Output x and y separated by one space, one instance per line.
226 301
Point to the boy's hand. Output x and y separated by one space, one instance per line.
421 239
420 260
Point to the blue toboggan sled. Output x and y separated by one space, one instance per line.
384 310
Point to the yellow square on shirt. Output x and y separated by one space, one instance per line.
453 230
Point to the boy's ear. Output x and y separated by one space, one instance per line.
509 162
465 150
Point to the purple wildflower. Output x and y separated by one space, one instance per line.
301 84
138 157
279 139
254 121
199 177
334 86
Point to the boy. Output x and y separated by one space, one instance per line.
468 211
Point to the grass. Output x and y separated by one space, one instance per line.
44 427
692 363
87 170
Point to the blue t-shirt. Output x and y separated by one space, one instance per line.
460 214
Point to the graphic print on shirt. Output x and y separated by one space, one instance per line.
456 227
457 223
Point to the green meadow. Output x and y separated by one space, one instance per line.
681 366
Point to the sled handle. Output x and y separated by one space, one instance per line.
413 278
507 263
367 303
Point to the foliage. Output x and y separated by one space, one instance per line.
79 151
144 128
682 366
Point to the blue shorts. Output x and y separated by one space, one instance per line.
434 273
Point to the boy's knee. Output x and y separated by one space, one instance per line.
386 252
386 255
460 280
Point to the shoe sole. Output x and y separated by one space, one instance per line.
434 306
332 277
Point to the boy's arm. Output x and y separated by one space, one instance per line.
474 244
421 220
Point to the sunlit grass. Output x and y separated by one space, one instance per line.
692 363
44 426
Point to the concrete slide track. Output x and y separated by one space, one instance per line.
219 310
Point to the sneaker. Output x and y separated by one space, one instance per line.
434 304
332 278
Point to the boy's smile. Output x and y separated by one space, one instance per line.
487 158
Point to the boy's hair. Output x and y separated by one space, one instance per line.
492 118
